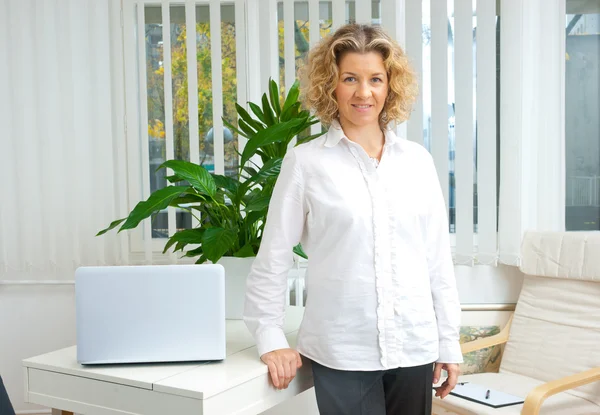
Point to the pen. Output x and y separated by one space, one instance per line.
462 383
487 394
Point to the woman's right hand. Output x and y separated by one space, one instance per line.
282 364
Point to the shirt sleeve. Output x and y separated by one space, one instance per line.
266 285
441 274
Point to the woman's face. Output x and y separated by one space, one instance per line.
362 89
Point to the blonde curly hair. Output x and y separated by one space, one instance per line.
320 75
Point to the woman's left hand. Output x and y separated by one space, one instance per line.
445 388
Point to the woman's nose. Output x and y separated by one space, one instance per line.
363 91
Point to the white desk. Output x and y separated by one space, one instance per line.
238 385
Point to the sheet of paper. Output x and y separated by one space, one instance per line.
477 393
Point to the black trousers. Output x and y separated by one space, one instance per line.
402 391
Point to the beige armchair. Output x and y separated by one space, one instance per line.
552 352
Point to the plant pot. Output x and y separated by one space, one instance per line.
236 271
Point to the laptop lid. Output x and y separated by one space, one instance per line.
156 313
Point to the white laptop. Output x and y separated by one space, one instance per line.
157 313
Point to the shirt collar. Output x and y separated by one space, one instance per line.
335 134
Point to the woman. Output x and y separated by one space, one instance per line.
382 306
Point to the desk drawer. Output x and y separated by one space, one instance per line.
95 397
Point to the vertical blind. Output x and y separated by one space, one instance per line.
64 146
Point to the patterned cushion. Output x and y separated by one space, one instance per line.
484 360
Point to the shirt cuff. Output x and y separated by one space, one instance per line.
269 339
450 352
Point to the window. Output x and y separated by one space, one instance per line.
582 123
167 88
164 104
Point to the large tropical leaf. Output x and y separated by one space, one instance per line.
258 202
246 128
193 252
225 182
197 176
217 241
112 225
290 112
255 216
184 237
202 259
299 251
250 170
266 107
309 138
258 112
274 95
187 198
292 97
157 201
276 133
246 252
247 118
271 169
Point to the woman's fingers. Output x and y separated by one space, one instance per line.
281 371
273 372
292 369
283 365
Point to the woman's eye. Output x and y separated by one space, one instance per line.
349 79
377 80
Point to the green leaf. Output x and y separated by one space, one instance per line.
179 246
259 202
250 170
252 217
292 97
173 179
270 169
246 128
186 236
258 112
186 199
246 252
217 241
232 127
274 95
246 117
225 182
309 138
290 112
112 225
193 252
266 107
299 251
202 259
197 176
276 133
157 201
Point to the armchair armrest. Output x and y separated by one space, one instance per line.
536 397
478 344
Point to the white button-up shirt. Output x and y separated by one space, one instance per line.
380 283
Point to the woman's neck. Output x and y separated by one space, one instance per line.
369 137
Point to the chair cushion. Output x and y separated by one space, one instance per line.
569 255
562 403
555 332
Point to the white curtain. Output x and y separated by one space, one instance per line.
59 143
532 122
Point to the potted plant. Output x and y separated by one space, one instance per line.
230 211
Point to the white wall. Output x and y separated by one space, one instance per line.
33 320
39 319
